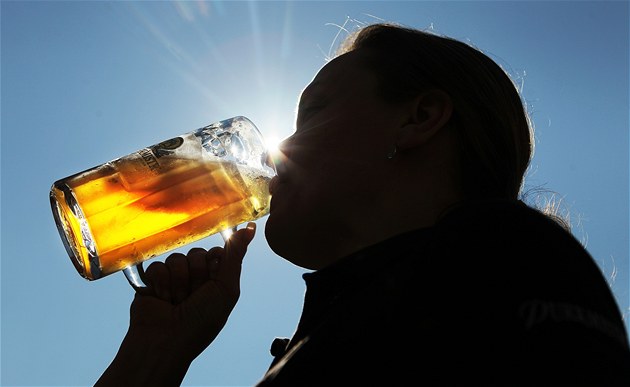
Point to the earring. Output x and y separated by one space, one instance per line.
392 153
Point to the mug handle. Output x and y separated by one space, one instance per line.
135 273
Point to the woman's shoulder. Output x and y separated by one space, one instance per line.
497 212
513 251
511 236
506 225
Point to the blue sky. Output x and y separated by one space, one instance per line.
85 82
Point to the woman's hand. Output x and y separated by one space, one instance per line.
187 302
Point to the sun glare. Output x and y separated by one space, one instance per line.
273 143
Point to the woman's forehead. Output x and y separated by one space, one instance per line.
339 66
339 72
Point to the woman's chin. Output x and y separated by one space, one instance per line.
285 243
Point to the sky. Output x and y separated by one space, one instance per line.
85 82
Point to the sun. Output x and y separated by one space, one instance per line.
272 143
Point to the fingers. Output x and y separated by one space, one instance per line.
197 267
180 275
213 258
177 265
158 280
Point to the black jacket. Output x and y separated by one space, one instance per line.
495 294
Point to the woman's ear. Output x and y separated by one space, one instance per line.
430 112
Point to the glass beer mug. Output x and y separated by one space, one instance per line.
119 214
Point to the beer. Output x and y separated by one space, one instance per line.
155 200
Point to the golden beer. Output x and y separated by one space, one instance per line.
155 200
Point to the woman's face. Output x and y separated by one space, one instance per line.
334 167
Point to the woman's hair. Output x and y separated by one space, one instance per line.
489 117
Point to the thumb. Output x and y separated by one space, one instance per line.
229 270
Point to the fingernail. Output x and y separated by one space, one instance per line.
251 231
